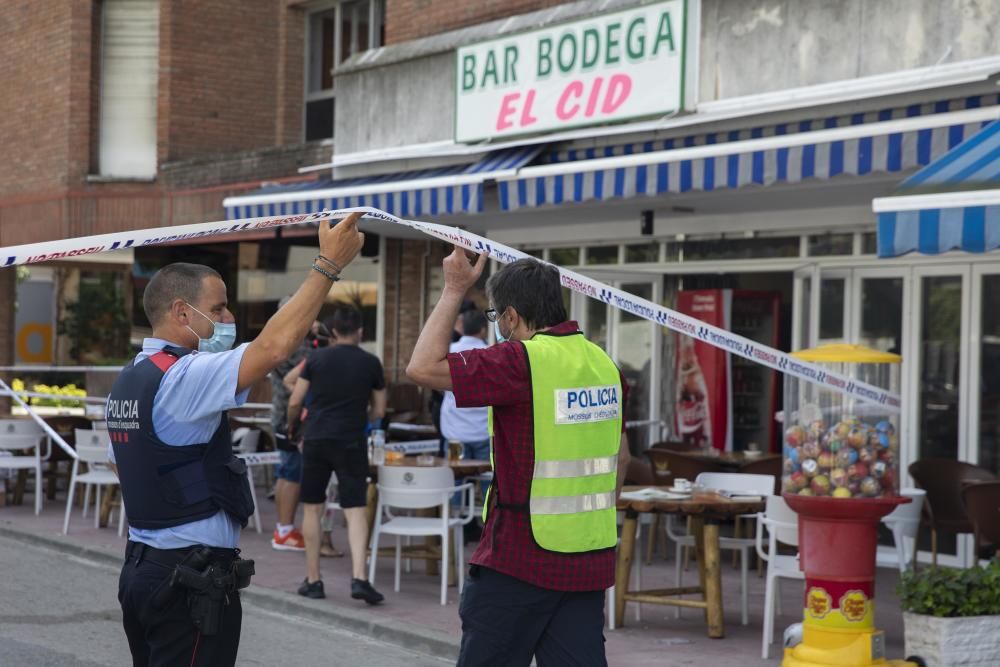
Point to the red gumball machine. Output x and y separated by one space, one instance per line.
841 460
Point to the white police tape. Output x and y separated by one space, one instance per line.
671 319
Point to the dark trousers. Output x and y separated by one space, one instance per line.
506 621
165 637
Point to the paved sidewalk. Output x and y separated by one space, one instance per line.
414 618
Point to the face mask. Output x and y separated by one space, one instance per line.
223 335
496 330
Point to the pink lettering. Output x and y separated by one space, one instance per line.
592 99
526 117
619 87
507 110
575 89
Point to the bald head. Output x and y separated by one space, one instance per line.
175 281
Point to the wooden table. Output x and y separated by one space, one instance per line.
705 510
733 460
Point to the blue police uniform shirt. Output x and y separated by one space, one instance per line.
186 411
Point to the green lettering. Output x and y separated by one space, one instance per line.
566 57
510 64
635 39
490 69
611 53
664 33
468 71
591 47
544 57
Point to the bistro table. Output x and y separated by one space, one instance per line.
730 460
705 510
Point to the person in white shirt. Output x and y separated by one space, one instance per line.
467 425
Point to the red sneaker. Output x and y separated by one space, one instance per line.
293 541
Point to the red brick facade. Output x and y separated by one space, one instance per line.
412 19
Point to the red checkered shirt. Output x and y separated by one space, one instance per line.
498 376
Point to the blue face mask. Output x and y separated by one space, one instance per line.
496 330
223 335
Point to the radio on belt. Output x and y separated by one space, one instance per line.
841 459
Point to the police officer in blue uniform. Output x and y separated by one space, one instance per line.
186 495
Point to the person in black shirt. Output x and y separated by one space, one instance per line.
346 389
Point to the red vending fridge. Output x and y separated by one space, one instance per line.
721 399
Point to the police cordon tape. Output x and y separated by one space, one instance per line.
671 319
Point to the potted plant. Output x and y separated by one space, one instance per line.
951 617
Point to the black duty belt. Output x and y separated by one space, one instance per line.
169 558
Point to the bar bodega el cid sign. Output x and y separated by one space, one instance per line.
604 69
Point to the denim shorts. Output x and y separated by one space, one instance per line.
290 468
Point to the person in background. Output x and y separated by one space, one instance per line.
346 386
437 397
537 579
185 494
289 471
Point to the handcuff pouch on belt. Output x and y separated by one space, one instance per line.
207 584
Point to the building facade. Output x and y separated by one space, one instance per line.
725 147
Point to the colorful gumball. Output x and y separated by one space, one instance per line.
841 430
810 449
841 492
856 437
816 429
870 487
838 477
820 485
835 445
826 460
806 492
795 436
795 482
885 427
857 471
810 467
867 455
847 457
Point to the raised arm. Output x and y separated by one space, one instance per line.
285 330
428 365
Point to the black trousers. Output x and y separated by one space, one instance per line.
506 621
165 637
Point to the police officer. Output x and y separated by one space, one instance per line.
185 494
537 579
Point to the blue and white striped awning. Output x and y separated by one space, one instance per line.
887 141
951 204
444 190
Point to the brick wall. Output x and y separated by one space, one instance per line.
412 19
231 77
35 52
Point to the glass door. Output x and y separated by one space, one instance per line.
938 375
984 394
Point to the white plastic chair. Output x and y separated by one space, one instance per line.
421 488
904 522
92 449
246 441
742 483
782 528
23 434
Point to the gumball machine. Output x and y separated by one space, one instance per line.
841 475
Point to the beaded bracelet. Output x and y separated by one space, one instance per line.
333 277
330 262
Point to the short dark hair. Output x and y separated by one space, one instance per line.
179 280
473 322
345 321
532 288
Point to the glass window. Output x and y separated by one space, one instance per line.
989 387
565 256
831 308
361 28
805 316
940 336
642 252
869 243
755 248
534 252
831 244
882 313
607 254
597 322
635 343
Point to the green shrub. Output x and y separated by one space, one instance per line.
948 592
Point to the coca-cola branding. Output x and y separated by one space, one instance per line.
701 382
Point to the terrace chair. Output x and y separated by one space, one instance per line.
782 526
24 436
417 488
982 505
943 480
92 449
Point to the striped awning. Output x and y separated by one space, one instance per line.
439 191
951 204
887 141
